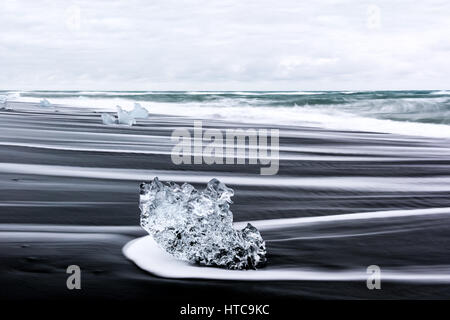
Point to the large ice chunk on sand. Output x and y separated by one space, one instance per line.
196 226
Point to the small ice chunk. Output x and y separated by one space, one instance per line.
139 112
45 103
124 117
108 119
197 226
3 99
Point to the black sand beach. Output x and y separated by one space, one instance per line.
69 195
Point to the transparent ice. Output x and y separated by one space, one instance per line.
124 117
108 119
45 103
3 102
197 226
139 112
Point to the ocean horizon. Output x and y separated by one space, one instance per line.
410 112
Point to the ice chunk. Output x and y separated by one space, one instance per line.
108 119
45 103
124 117
197 226
139 112
3 102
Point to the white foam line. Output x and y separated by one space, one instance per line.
284 115
131 137
168 152
273 224
144 139
146 254
334 236
58 203
427 184
57 237
25 228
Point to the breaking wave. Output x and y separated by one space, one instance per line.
419 113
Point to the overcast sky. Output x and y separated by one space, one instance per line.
224 45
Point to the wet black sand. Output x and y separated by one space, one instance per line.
50 219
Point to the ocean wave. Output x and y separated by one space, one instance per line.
147 255
359 183
274 224
441 92
420 113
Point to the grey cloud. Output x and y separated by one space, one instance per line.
224 45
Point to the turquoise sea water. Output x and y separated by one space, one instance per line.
402 112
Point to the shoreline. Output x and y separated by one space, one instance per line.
74 200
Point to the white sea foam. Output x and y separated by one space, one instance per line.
110 93
357 117
125 117
146 254
273 224
441 92
253 93
429 184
